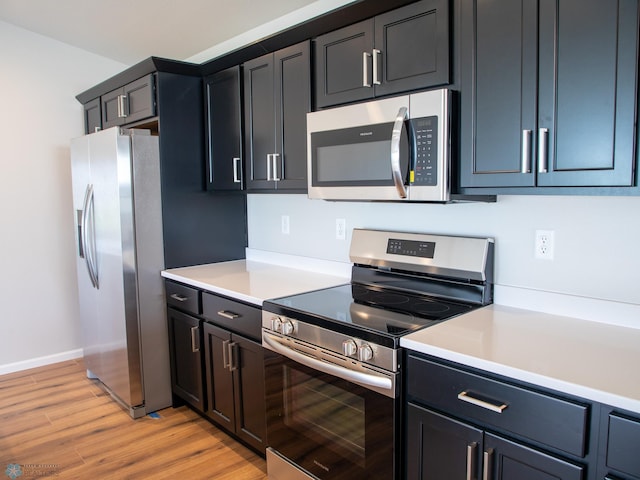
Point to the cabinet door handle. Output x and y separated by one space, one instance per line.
178 297
376 66
194 340
229 315
365 69
274 160
236 171
233 363
471 464
122 107
269 163
487 457
543 150
225 354
526 151
467 397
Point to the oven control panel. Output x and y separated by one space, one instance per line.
412 248
351 348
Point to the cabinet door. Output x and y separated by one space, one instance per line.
293 102
413 42
219 377
92 117
440 447
344 65
224 130
588 67
259 117
186 360
139 99
248 368
512 461
498 62
112 108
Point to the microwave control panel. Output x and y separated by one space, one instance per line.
425 136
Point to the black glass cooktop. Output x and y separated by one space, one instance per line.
388 312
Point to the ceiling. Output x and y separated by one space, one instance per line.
129 31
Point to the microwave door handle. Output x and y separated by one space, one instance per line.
396 135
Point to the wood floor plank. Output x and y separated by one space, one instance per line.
54 415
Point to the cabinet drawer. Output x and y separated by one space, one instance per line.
622 446
233 315
183 297
542 418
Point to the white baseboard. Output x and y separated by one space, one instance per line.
40 361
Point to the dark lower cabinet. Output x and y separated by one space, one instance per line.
441 447
548 93
619 445
460 425
186 357
235 384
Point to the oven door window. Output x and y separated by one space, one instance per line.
328 426
357 156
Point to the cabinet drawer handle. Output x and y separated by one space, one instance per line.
178 297
471 455
466 397
194 341
486 467
229 315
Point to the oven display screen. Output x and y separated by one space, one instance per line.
411 248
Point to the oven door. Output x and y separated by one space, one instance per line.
328 426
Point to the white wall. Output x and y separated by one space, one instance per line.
597 239
38 82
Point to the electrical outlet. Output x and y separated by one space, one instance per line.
544 244
285 224
341 228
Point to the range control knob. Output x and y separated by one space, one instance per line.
349 348
365 353
276 324
287 327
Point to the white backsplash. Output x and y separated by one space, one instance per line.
597 242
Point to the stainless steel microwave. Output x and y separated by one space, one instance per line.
390 149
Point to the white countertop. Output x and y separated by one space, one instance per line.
252 282
596 361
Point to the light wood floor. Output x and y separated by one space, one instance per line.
56 423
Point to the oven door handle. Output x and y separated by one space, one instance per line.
325 367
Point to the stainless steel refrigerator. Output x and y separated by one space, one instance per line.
118 227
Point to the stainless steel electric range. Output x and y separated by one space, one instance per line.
334 363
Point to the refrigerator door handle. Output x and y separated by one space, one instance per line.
89 243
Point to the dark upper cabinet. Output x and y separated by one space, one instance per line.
548 93
92 117
223 111
404 49
277 99
131 103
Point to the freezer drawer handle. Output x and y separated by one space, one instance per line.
229 315
467 397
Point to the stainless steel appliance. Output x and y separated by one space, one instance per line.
116 201
391 149
332 371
